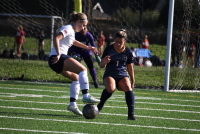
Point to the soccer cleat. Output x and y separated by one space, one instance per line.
74 109
97 58
90 99
131 118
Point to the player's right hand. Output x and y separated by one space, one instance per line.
106 59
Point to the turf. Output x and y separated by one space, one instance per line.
40 107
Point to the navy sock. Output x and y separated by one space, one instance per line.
104 96
72 99
130 100
84 91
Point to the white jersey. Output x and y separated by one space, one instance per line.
66 42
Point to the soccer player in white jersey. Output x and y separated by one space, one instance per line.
70 68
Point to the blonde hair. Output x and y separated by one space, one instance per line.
77 16
20 27
121 34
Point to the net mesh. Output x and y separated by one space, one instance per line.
138 18
185 69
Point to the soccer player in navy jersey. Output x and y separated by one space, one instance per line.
119 72
86 38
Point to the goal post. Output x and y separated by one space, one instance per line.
38 16
169 43
78 6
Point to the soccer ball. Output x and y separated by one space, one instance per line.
90 111
148 63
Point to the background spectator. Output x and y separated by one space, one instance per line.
109 40
19 39
145 45
101 42
40 39
190 54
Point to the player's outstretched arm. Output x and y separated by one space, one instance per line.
81 45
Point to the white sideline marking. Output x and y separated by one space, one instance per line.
185 91
57 91
100 113
27 95
35 102
32 95
168 104
46 83
165 118
65 96
41 131
181 111
40 90
113 97
99 123
39 109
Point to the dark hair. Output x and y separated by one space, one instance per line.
77 16
121 34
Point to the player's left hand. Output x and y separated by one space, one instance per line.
132 84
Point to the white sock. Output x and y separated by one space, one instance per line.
72 104
83 80
74 91
86 95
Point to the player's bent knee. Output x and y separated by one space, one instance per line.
110 90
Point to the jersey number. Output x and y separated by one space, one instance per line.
117 63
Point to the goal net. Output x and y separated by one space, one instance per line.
138 17
185 52
32 64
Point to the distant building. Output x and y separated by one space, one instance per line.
98 13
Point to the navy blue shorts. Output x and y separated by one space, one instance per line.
58 67
117 80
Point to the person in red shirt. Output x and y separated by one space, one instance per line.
100 42
190 54
145 45
19 39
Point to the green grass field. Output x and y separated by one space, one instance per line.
40 107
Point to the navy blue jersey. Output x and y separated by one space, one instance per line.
116 68
85 39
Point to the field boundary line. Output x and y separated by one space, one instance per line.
100 123
54 110
40 131
113 97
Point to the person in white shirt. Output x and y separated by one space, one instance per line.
70 68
